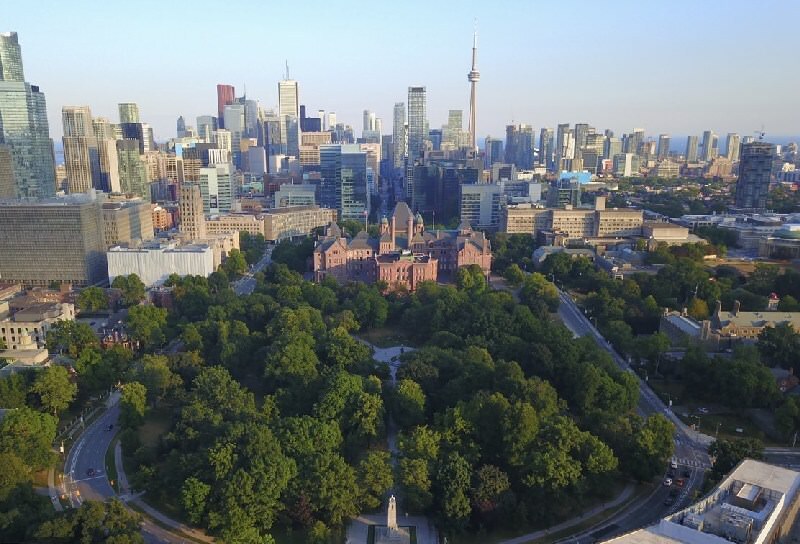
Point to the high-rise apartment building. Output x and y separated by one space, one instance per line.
344 180
520 141
399 134
663 147
417 130
190 206
612 147
81 153
226 94
546 147
24 130
691 149
709 145
68 236
133 178
107 155
234 116
128 112
494 151
216 186
369 121
732 147
289 112
756 169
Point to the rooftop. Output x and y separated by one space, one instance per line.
745 508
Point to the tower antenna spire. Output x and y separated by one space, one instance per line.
287 69
473 77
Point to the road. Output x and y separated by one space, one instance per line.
246 284
85 477
690 447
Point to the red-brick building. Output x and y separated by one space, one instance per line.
404 255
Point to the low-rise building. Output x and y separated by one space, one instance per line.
29 326
235 222
755 504
155 262
283 223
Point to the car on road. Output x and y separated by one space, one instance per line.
686 473
668 482
679 482
90 472
673 465
703 410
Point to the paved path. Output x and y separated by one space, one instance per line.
620 499
53 491
357 530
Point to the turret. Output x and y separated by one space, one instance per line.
409 229
419 224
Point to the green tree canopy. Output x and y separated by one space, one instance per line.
133 290
29 435
55 389
92 299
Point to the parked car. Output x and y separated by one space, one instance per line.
679 482
668 482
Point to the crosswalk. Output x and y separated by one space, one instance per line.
682 461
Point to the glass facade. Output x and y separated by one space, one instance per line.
132 170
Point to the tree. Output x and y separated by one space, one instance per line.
13 390
514 275
471 278
698 309
93 522
92 299
133 404
147 324
194 495
71 337
651 347
374 477
133 290
252 246
157 377
13 471
55 389
408 404
779 345
729 453
489 483
28 434
452 486
235 264
536 289
789 304
652 446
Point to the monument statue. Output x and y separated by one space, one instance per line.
391 514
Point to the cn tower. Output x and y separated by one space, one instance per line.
473 77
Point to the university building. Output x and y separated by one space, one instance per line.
404 255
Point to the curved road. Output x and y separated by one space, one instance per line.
690 447
85 477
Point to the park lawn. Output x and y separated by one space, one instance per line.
156 423
728 423
39 478
111 465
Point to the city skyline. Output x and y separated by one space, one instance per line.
539 78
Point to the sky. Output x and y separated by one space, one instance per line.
677 67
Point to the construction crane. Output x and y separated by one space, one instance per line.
760 133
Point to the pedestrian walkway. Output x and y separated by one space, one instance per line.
53 490
620 499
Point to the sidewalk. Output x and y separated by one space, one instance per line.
620 499
53 490
125 494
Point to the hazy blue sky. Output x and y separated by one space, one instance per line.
678 67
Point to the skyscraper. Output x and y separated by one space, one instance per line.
128 112
107 153
416 133
691 149
546 136
289 112
519 146
369 121
225 96
732 147
193 220
709 145
24 131
180 127
756 167
399 134
81 154
663 147
473 77
206 125
132 169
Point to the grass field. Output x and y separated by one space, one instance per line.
385 337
